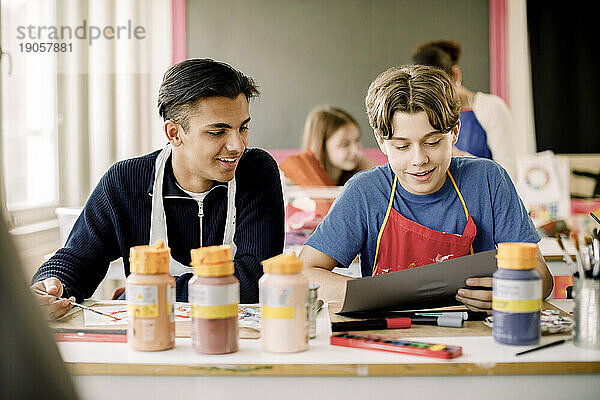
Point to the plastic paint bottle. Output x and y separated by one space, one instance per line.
283 298
150 293
516 295
214 295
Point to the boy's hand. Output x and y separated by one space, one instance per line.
50 306
477 300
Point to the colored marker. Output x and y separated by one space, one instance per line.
371 324
443 320
395 323
470 315
458 314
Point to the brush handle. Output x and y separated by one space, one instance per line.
72 303
545 346
596 257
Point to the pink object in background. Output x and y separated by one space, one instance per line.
179 30
498 44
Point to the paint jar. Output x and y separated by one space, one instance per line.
150 293
312 310
517 295
214 296
587 313
283 293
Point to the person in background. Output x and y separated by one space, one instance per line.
424 206
332 150
486 124
30 363
333 136
203 188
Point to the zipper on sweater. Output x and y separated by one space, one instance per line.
200 215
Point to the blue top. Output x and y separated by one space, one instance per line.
353 222
472 138
117 217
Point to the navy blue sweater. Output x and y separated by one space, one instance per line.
117 217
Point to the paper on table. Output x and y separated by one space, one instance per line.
248 317
182 313
429 286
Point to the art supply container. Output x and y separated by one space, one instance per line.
214 295
150 293
283 293
312 310
517 295
587 313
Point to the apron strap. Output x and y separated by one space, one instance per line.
390 207
230 220
459 195
387 214
461 200
158 224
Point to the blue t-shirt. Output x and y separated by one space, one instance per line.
352 225
472 138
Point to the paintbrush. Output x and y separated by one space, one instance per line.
75 304
595 218
596 255
588 255
566 255
575 240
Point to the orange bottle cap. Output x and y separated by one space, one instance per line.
515 255
149 259
283 264
212 261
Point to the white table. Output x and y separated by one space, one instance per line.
486 369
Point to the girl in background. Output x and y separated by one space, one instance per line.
333 137
332 155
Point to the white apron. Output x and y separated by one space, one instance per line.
158 225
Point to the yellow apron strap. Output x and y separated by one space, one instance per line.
461 200
387 214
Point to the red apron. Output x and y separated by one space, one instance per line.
403 244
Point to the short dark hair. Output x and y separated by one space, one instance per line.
434 57
443 54
197 78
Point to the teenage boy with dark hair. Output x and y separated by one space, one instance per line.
203 188
424 206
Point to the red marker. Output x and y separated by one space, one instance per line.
371 324
395 323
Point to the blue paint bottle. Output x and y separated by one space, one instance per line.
517 295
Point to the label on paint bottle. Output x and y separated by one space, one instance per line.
277 304
142 300
516 296
516 305
215 301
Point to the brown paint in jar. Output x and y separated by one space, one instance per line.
214 296
150 293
